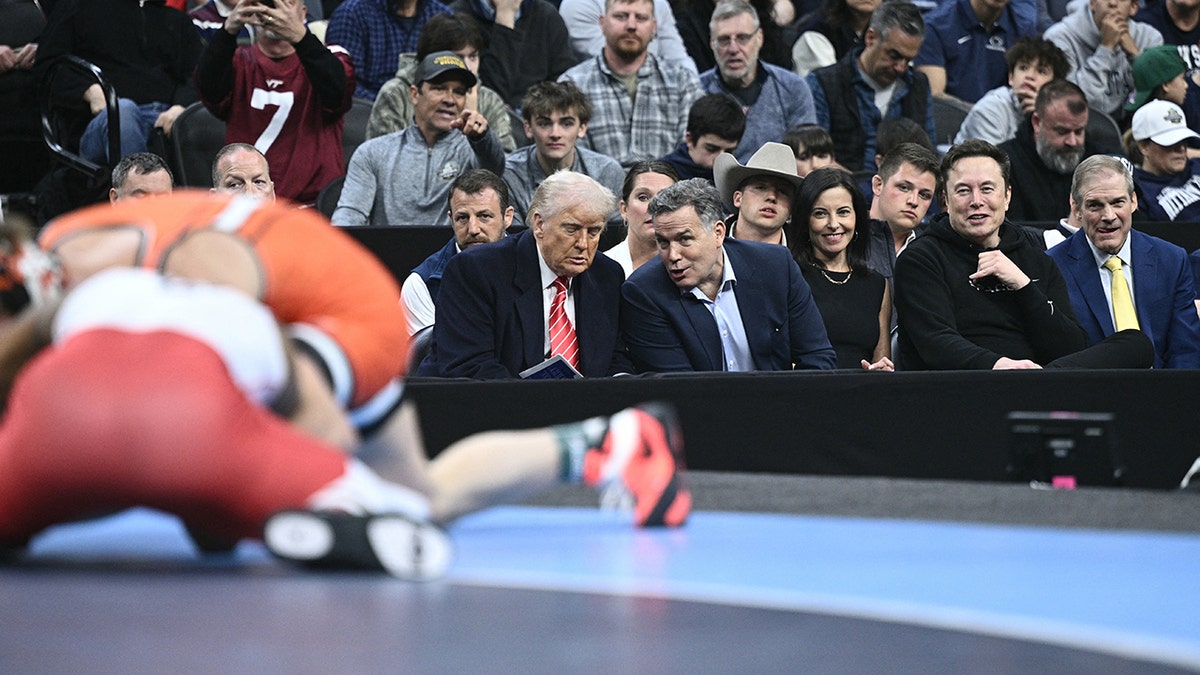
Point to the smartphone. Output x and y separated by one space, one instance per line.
268 3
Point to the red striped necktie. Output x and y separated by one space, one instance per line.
562 333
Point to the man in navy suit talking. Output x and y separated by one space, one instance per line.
1119 278
717 304
508 306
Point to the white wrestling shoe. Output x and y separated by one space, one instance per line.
403 547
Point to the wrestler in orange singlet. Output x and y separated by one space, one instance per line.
332 294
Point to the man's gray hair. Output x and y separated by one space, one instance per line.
727 9
697 193
1093 167
140 163
566 189
897 14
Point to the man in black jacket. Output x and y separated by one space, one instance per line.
974 293
1044 154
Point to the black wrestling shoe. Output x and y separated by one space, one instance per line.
209 544
10 554
403 547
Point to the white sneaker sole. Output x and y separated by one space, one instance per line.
404 548
298 536
409 549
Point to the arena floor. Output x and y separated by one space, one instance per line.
772 574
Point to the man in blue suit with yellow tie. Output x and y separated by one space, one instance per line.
1119 278
714 303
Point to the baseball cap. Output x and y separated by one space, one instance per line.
438 64
1153 68
1162 122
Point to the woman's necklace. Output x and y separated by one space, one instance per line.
835 282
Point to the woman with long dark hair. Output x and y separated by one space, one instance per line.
829 240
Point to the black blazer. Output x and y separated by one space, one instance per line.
490 321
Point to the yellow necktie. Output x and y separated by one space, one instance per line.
1123 311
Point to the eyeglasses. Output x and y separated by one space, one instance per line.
743 39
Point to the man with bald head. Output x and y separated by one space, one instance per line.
239 168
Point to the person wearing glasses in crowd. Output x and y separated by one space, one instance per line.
774 99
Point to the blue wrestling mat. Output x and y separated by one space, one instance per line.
557 589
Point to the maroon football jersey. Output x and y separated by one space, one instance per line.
278 112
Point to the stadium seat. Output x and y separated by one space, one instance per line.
328 199
195 140
354 129
948 116
73 181
518 128
1103 133
419 346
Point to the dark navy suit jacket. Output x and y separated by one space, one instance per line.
1163 293
667 330
490 321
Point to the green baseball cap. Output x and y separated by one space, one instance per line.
1153 68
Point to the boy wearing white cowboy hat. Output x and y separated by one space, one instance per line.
760 193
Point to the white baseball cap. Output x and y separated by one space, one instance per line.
1162 122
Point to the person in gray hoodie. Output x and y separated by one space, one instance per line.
404 178
1101 41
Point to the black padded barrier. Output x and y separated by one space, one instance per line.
931 425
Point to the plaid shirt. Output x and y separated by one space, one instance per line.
647 128
376 37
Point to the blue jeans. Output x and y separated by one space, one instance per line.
137 122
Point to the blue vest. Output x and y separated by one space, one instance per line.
431 269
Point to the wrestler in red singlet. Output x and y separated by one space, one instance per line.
154 393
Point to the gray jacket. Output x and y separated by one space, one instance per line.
1105 75
399 180
994 118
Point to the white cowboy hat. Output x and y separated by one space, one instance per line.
772 159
